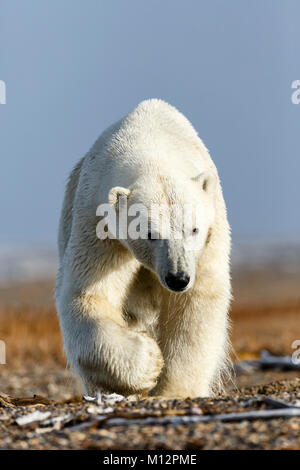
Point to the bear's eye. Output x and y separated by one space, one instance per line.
152 235
195 231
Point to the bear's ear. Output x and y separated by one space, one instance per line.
207 180
116 194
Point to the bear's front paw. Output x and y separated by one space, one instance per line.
147 363
130 365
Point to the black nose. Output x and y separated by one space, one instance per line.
178 281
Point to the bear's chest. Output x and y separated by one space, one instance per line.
142 302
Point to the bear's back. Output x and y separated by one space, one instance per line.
154 133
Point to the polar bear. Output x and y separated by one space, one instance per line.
147 315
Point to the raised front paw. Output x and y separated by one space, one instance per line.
129 366
147 363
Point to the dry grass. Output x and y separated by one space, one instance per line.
34 354
32 334
265 315
271 327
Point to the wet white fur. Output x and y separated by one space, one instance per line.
123 330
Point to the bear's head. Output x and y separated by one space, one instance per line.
165 222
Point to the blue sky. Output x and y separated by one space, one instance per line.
72 67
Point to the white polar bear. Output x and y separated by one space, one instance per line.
141 315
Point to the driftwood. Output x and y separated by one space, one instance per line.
36 400
176 420
111 416
280 409
268 361
289 412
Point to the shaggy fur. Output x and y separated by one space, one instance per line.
124 330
